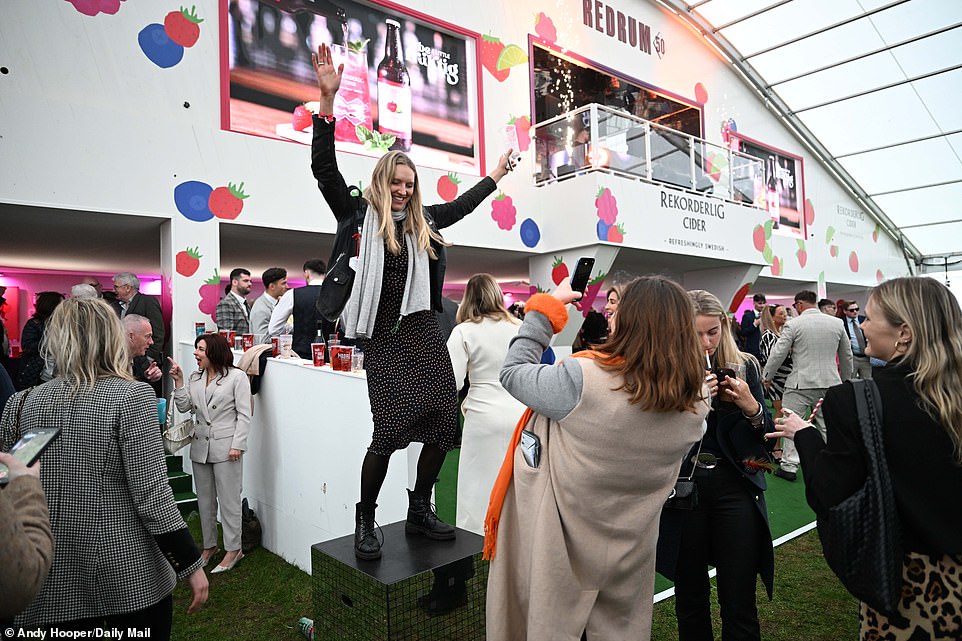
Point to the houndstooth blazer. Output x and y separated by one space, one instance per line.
110 504
231 315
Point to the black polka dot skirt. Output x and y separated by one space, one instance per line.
409 377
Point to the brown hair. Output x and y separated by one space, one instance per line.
218 352
655 349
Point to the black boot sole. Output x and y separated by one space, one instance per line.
367 556
411 528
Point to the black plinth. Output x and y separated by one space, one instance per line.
418 589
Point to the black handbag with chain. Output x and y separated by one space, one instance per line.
861 536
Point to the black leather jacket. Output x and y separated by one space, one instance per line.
349 207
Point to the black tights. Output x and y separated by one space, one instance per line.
374 469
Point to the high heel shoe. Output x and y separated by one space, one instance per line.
210 556
224 568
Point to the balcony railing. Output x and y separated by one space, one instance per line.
599 138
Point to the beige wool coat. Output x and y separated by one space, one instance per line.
577 535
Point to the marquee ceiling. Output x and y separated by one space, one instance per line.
872 87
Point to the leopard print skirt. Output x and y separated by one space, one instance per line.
931 604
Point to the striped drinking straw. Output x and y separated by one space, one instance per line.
818 404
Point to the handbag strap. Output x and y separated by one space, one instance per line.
868 404
694 461
23 400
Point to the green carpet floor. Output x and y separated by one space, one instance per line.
787 509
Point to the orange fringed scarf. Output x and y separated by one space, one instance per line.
503 481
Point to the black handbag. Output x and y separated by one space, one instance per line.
684 496
861 536
336 288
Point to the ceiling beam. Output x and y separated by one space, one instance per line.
754 81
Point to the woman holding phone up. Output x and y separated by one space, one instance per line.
398 278
729 526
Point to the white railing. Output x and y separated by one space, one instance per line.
598 138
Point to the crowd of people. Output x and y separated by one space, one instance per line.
668 397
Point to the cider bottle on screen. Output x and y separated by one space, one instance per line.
394 90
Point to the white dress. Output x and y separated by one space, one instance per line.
490 413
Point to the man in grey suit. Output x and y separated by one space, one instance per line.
233 311
814 340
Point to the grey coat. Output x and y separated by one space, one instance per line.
814 340
223 411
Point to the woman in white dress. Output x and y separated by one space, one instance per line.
478 346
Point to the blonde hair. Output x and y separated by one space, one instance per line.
86 340
378 195
707 304
932 313
483 298
768 319
655 349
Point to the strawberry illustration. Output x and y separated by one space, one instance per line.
302 118
607 206
559 271
739 297
522 126
544 27
591 292
801 254
701 94
758 237
188 261
879 277
448 187
776 266
491 48
182 26
209 295
875 233
503 211
853 261
227 202
809 212
616 233
833 251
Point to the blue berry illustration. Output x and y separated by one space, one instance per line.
158 47
530 234
191 199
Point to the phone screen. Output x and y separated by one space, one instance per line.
579 280
29 448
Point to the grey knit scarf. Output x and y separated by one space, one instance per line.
361 309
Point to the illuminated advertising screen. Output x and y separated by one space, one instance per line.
409 83
781 190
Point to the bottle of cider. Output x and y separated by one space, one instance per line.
773 192
394 91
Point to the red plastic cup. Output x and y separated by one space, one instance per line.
248 341
231 337
341 358
276 346
317 351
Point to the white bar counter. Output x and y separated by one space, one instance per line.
310 431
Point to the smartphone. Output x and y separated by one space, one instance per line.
579 280
29 448
531 448
509 136
721 373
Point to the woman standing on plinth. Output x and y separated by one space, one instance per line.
399 271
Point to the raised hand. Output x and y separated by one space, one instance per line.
328 77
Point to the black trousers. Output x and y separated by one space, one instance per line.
157 618
722 531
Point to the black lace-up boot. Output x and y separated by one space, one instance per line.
422 519
366 544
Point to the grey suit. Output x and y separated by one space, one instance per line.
223 420
814 340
